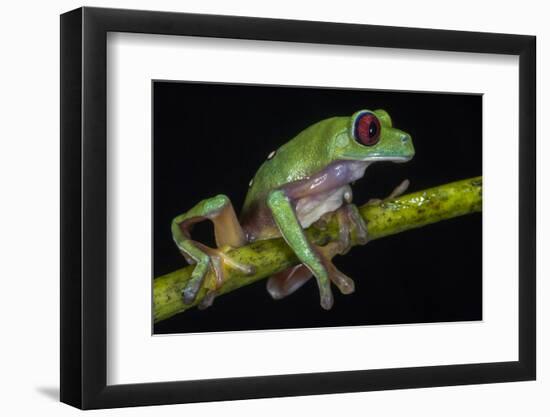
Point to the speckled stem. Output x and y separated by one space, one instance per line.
383 219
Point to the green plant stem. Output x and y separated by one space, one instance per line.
383 219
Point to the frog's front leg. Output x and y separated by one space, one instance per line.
316 259
350 223
396 192
228 234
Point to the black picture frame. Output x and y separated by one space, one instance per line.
83 207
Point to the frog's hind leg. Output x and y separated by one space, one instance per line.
286 282
228 234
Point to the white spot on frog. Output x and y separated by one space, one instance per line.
271 155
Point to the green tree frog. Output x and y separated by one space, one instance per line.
303 180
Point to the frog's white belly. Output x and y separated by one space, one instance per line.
310 209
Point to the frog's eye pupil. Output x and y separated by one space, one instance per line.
373 130
367 129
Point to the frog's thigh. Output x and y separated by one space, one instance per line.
220 211
286 282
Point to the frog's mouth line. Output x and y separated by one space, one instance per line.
396 159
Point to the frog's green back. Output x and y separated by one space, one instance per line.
304 155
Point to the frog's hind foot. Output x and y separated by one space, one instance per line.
210 263
288 281
210 260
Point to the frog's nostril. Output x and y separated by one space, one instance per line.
404 139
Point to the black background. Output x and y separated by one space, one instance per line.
211 138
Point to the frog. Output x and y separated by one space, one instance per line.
299 184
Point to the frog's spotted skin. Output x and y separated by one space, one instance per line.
298 183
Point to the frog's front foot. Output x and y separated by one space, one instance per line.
344 283
351 226
397 191
318 259
286 282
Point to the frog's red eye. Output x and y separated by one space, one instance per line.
367 129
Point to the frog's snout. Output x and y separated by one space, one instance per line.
407 147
